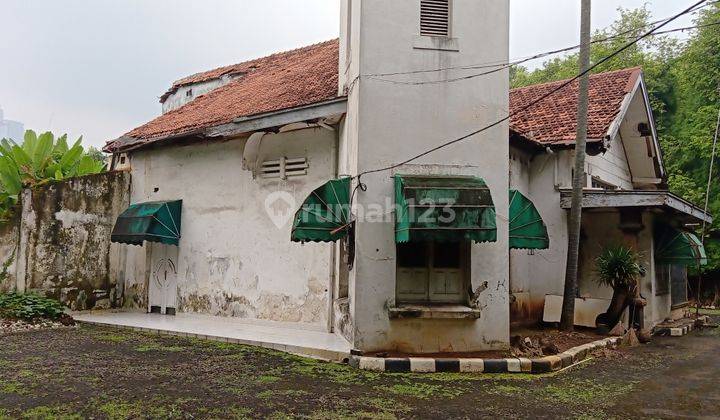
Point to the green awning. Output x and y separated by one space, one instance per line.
325 214
157 221
676 247
444 209
527 229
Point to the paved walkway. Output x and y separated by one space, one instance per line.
289 337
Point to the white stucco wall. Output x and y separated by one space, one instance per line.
233 260
542 272
396 121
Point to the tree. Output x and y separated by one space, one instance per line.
682 80
567 319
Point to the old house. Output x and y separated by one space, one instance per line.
625 201
217 178
278 189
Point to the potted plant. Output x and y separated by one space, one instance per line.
618 267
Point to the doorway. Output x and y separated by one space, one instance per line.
162 290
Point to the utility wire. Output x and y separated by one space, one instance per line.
504 64
535 102
512 64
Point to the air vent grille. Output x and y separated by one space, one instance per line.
435 17
284 168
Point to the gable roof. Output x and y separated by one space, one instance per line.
309 75
280 81
553 121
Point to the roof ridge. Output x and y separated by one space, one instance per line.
179 82
558 82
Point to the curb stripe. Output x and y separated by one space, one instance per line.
545 364
447 365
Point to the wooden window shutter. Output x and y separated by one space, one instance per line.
435 17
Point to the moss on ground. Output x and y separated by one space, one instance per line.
125 375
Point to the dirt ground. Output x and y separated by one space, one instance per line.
93 372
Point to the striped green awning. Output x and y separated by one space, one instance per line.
443 209
157 221
325 214
677 247
527 229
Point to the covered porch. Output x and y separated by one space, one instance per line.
658 225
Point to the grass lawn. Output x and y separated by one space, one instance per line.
117 374
711 312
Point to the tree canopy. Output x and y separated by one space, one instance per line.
683 80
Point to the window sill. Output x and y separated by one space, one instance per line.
438 43
407 311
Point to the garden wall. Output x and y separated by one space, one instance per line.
64 248
8 251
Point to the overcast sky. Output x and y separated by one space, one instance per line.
98 67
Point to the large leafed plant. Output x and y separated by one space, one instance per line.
38 160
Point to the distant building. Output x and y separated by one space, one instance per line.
11 129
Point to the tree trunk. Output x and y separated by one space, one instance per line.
608 320
567 318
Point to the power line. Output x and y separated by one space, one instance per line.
512 64
535 102
504 64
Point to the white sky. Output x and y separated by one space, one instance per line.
97 67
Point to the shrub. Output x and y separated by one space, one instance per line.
29 307
618 267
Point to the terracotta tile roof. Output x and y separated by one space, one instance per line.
281 81
553 121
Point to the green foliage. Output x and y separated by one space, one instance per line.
29 307
38 160
618 267
683 80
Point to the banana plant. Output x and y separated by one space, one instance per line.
38 160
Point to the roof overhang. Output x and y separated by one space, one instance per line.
663 200
332 110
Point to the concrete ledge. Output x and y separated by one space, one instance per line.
312 352
679 329
545 364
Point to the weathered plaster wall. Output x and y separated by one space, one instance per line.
188 93
392 122
233 260
540 272
65 250
611 166
9 236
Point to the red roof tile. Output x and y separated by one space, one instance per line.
310 75
553 121
281 81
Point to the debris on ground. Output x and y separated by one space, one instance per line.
630 338
9 326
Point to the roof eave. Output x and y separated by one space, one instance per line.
240 126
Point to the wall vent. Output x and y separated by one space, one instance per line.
284 168
435 17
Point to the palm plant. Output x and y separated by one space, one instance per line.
618 267
40 159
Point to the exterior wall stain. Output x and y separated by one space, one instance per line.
9 235
64 240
